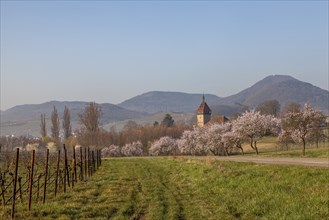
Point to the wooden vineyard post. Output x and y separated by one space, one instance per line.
93 162
72 177
20 189
94 155
31 179
46 176
15 182
85 163
3 192
81 165
88 161
38 194
57 170
100 157
97 164
61 178
74 165
96 159
65 165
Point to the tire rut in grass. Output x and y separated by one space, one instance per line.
133 209
151 192
173 192
167 193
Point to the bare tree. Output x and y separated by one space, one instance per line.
43 130
67 127
130 125
269 107
317 135
291 107
55 125
90 119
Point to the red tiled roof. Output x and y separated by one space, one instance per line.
220 119
204 108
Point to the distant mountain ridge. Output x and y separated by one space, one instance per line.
283 88
157 101
110 112
25 119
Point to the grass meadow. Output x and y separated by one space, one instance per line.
184 188
269 147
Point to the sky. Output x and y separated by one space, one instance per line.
110 51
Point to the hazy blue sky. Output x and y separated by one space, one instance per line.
109 51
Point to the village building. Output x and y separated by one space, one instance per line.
203 113
221 119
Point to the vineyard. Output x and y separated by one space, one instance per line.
27 177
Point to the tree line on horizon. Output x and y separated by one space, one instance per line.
292 124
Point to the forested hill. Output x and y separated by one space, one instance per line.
283 88
156 101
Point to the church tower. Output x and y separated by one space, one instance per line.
203 113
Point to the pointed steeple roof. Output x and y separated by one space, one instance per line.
204 108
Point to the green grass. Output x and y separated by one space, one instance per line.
182 188
310 153
269 147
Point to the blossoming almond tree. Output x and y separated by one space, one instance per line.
205 140
132 149
232 139
254 126
187 144
285 138
213 138
164 146
301 124
111 151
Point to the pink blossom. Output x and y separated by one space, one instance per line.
164 146
253 125
299 125
132 149
111 151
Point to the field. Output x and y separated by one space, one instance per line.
269 147
184 188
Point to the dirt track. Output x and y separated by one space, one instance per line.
316 162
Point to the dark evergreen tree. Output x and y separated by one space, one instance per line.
167 121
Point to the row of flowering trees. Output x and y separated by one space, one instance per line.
223 139
219 139
215 139
132 149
